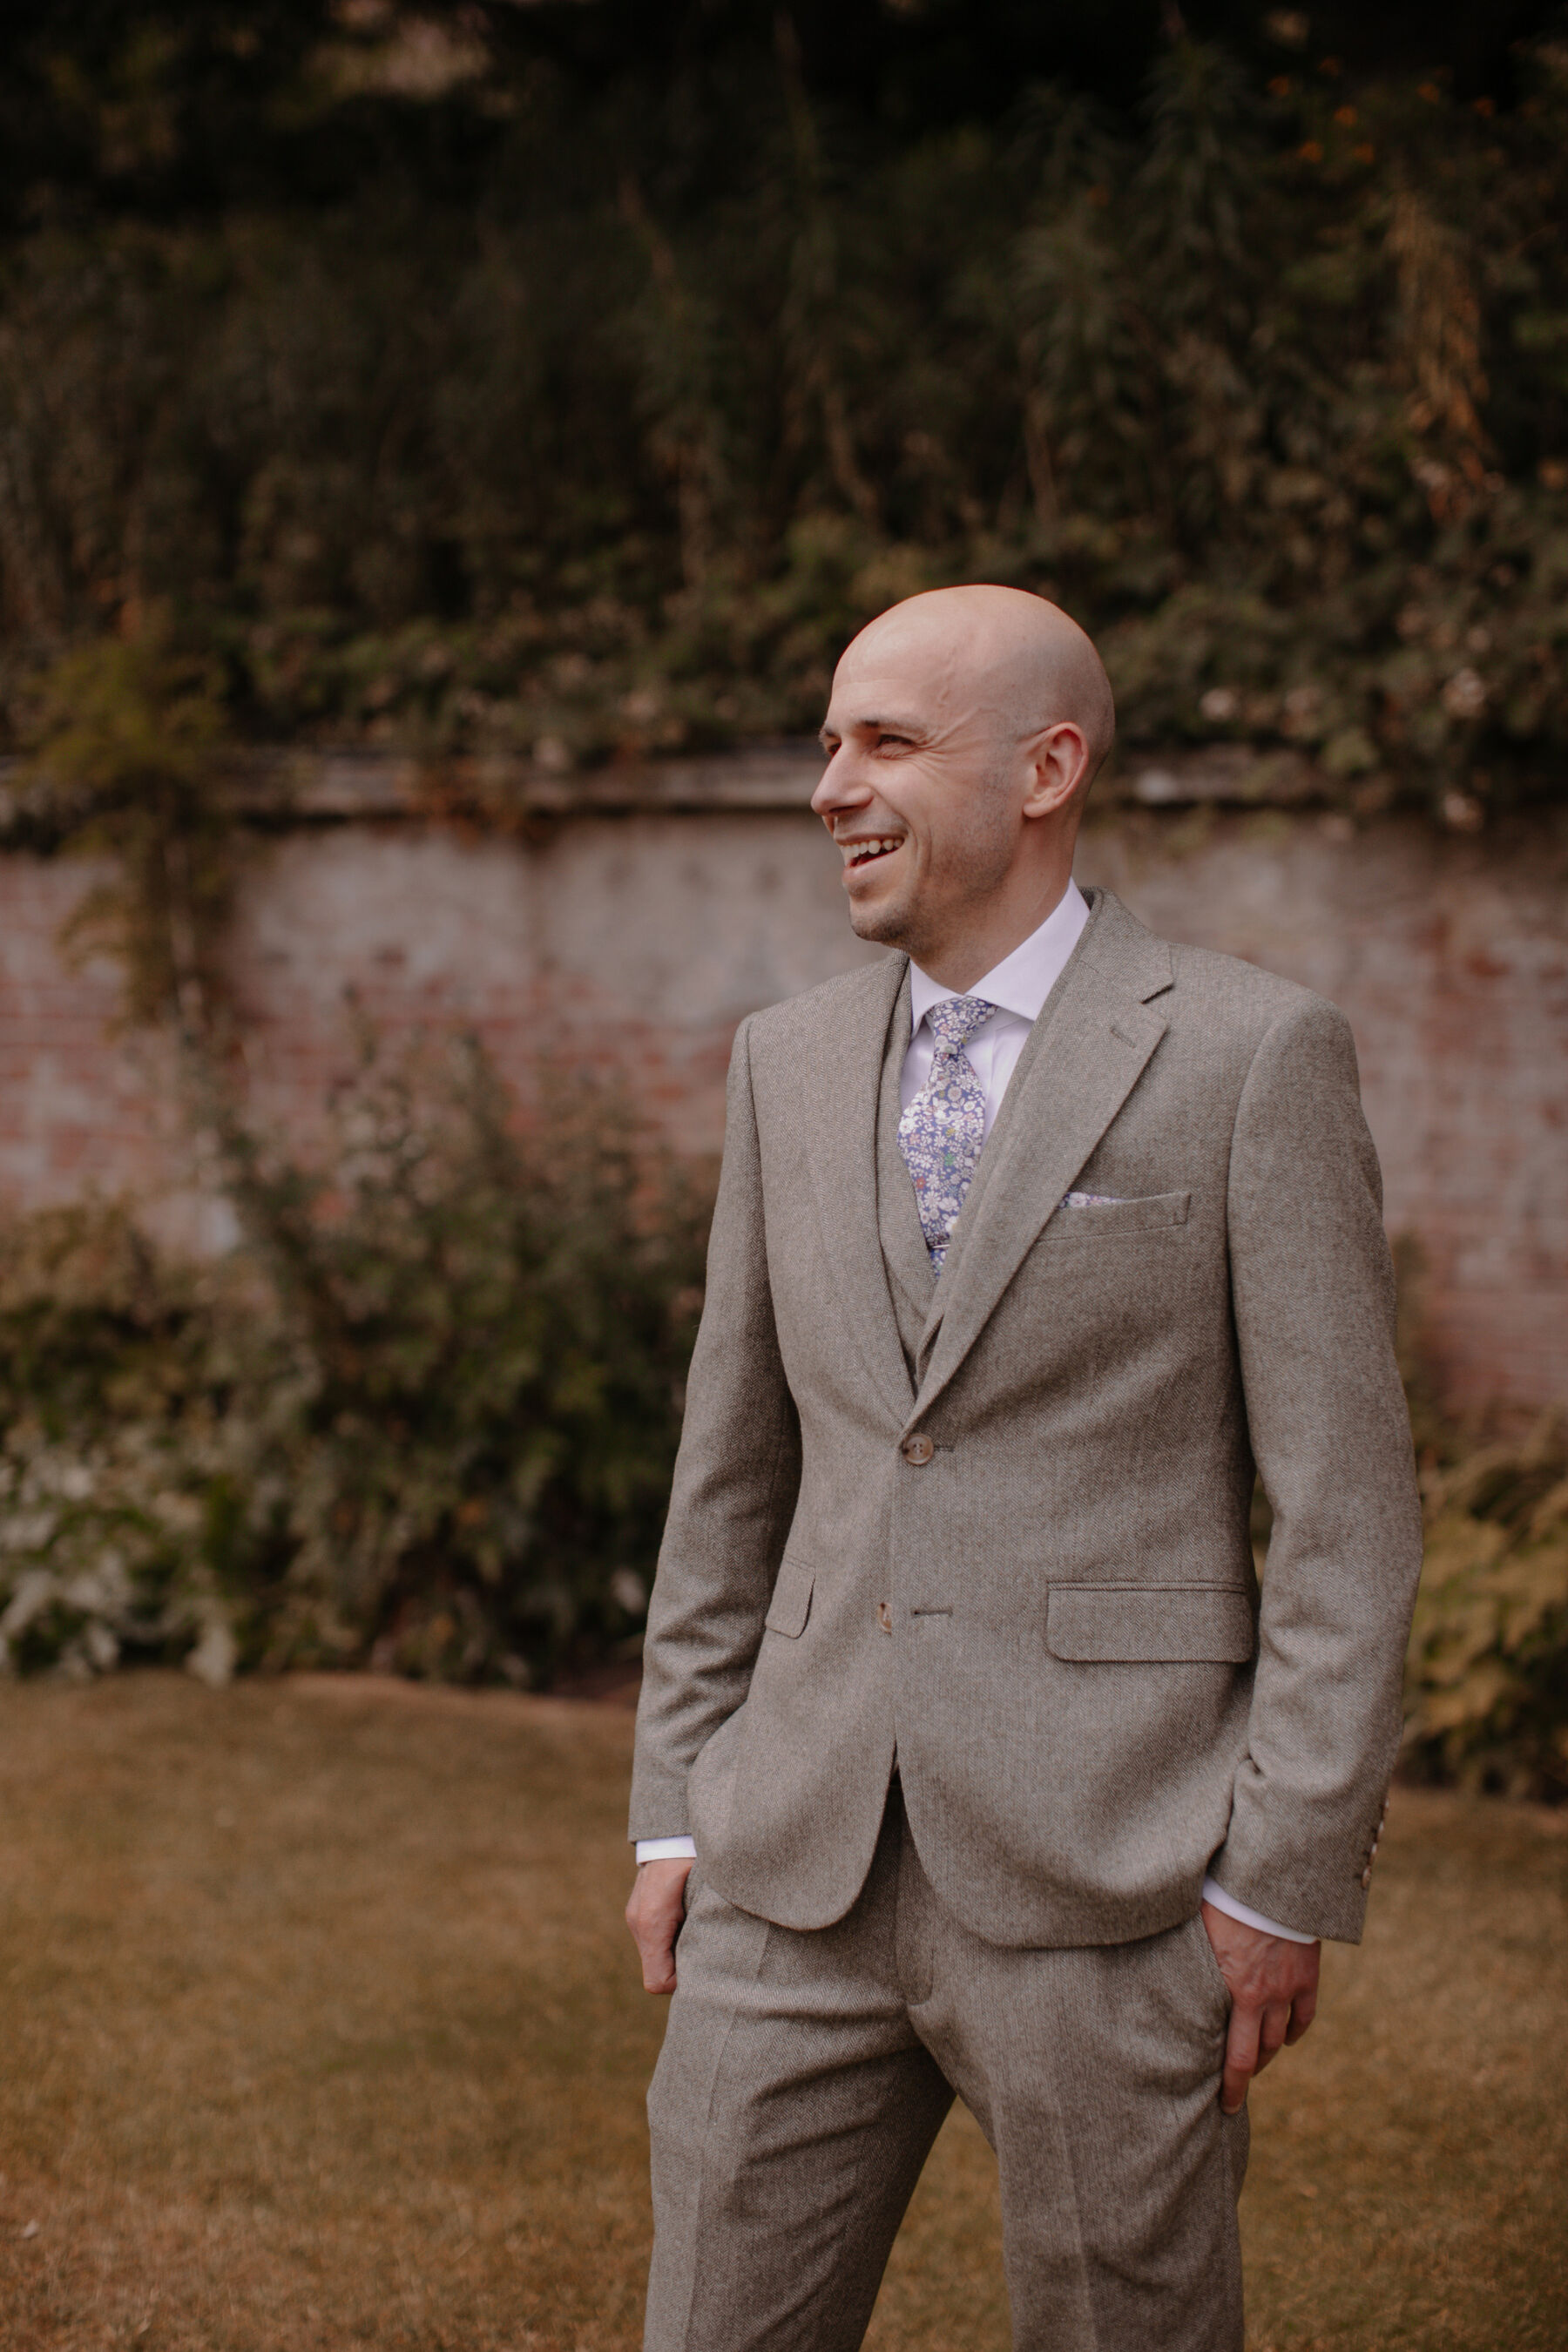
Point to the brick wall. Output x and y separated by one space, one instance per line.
635 938
1451 956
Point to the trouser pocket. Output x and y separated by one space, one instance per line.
1213 1974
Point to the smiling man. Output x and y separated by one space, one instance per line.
971 1759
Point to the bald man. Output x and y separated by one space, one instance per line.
971 1759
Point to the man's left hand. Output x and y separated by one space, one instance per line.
1273 1996
654 1914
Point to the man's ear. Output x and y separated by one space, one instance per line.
1059 759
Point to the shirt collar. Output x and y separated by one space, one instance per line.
1022 981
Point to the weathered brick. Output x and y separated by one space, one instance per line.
630 946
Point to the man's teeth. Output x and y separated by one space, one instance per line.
864 850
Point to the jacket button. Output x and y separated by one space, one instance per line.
884 1617
1366 1875
918 1449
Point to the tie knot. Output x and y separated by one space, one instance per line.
955 1021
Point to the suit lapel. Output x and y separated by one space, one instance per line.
1089 1046
897 1217
842 1156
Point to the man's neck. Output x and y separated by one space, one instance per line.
958 963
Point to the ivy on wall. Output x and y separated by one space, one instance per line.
480 441
126 737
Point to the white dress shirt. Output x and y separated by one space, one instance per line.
1018 988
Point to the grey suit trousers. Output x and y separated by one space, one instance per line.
805 2074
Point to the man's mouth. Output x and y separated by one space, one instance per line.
866 852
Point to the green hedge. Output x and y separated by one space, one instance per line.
426 1416
1487 1688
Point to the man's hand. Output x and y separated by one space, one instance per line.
654 1914
1273 1996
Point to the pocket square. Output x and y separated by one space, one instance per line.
1092 1200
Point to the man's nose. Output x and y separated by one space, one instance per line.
838 788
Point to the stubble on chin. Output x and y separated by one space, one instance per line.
884 925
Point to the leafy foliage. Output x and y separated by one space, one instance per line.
426 1416
126 734
477 441
1486 1686
119 1470
1488 1678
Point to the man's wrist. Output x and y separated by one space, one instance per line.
669 1849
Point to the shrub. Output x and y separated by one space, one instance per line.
121 1524
427 1416
490 1334
1487 1686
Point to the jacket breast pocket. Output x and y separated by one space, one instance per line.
1139 1624
1100 1219
791 1605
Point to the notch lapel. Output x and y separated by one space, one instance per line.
904 1249
1090 1045
842 1157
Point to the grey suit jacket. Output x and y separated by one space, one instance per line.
1015 1554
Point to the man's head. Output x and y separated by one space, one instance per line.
965 730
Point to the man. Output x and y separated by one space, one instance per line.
991 1771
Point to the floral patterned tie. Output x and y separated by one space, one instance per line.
941 1133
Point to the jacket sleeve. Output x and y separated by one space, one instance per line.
737 1475
1312 1290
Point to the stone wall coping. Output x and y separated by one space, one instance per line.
320 784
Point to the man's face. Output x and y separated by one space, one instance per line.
918 792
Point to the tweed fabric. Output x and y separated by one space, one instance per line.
1089 1699
804 2077
943 1133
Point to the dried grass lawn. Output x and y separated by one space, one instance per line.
321 2030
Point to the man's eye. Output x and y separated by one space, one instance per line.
898 742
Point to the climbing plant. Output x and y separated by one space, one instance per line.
429 427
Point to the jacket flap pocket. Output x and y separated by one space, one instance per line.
1084 1214
1149 1625
791 1603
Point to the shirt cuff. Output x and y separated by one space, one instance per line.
665 1850
1215 1894
684 1849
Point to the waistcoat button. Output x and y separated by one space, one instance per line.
919 1449
884 1617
